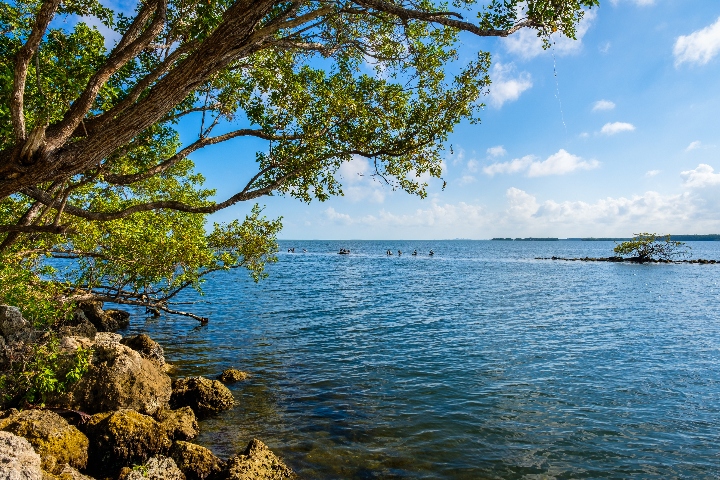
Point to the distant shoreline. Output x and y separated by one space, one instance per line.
681 238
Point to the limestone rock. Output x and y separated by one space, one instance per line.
232 375
196 462
54 439
78 326
71 344
118 377
180 424
257 462
146 347
107 338
18 460
157 468
69 473
104 320
13 326
203 395
123 438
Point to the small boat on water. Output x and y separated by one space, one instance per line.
344 252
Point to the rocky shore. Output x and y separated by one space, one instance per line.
125 419
698 261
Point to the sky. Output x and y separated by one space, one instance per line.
613 134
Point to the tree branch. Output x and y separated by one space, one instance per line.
22 61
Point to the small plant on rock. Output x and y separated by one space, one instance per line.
649 247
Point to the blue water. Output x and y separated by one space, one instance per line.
479 362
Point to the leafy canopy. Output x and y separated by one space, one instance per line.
92 166
650 247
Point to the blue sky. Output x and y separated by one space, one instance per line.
613 134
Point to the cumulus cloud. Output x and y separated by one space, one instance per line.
506 86
559 163
472 165
616 127
693 146
467 179
702 176
497 151
698 47
359 185
652 173
527 44
603 105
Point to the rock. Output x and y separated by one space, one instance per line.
14 327
104 320
118 377
196 462
203 395
146 347
107 338
123 438
157 468
71 344
54 439
18 460
78 326
257 462
179 424
231 375
69 473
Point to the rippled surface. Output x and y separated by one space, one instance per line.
479 362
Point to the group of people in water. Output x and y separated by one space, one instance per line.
389 253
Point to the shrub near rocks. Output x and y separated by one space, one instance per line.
203 395
54 439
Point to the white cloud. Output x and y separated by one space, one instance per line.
617 127
520 204
513 166
702 176
605 47
505 86
693 146
467 179
636 2
527 44
652 173
699 47
497 151
472 165
603 105
559 163
359 185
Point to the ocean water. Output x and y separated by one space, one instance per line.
478 362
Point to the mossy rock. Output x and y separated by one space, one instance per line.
124 438
54 439
203 395
196 462
232 375
256 462
179 424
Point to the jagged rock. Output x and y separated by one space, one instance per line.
257 462
146 347
71 344
203 395
180 424
78 326
14 327
18 460
157 468
54 439
118 377
232 375
122 438
196 462
69 473
104 320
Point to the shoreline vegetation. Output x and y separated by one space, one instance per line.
682 238
124 418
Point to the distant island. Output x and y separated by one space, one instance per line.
713 237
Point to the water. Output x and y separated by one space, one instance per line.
479 362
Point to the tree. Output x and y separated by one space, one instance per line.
92 168
647 247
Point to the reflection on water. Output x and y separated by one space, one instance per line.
479 362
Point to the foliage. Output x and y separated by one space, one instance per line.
650 246
36 370
99 198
